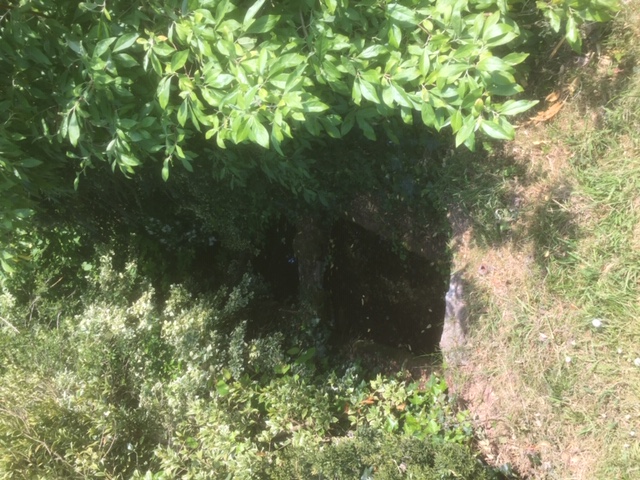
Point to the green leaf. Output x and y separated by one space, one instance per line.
164 89
425 62
102 46
221 80
554 19
128 160
162 49
125 41
504 90
573 34
6 267
428 114
179 59
222 388
305 356
165 169
330 124
263 24
512 107
331 5
253 10
221 10
283 62
506 126
356 93
186 164
240 129
453 69
498 35
456 121
30 162
491 64
402 14
183 113
126 60
373 51
314 106
258 133
37 55
155 63
501 83
395 36
490 21
515 58
467 129
365 126
494 130
387 96
400 95
368 91
74 129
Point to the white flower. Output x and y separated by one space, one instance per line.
619 351
636 362
567 359
597 322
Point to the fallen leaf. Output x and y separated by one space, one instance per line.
552 97
547 114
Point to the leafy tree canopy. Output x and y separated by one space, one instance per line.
167 81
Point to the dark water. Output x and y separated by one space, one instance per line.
387 295
375 291
278 265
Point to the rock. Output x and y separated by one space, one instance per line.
455 322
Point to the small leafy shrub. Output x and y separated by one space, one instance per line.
134 387
373 454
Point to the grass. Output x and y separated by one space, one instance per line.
553 243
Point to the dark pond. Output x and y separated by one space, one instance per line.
384 294
377 291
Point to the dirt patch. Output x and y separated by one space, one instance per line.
513 347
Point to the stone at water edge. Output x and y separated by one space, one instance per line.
455 322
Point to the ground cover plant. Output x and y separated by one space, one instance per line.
132 388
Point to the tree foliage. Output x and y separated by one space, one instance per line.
169 82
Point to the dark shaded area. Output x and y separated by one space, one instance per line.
277 264
384 294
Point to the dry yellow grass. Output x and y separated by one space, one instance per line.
553 395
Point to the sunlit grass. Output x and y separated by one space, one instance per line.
555 291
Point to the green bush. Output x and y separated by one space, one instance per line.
135 387
373 454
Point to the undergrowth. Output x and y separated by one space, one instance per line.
128 386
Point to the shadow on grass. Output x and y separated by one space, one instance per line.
492 189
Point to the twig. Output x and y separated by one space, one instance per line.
9 324
304 27
557 47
